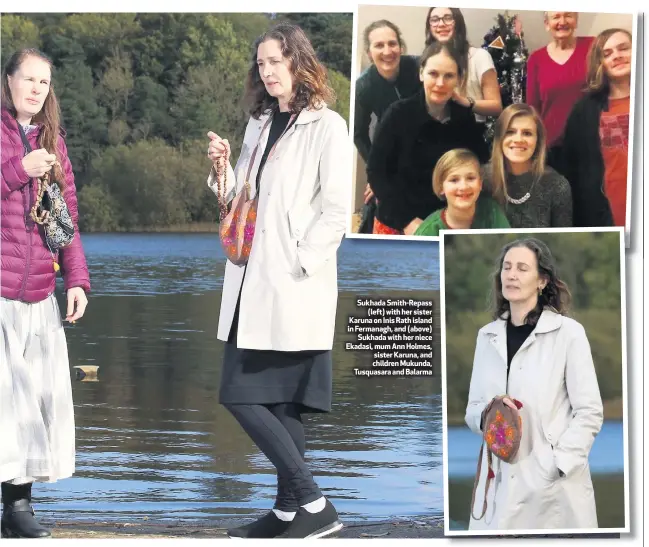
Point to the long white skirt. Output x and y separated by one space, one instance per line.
36 410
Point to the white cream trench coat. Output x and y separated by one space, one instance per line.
553 375
290 290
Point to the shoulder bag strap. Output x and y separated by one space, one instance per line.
26 143
487 483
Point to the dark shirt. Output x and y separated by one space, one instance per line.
583 163
277 126
407 145
515 338
375 94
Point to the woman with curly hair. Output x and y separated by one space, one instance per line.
539 357
278 310
36 407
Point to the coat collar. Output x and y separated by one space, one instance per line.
307 115
548 322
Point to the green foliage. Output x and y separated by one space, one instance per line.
17 33
139 92
590 265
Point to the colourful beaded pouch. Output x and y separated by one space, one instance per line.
237 219
502 428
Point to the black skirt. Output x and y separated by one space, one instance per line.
268 377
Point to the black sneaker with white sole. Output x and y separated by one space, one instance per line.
268 526
313 525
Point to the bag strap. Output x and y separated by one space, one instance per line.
490 476
24 138
254 152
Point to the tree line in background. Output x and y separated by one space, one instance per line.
589 263
139 92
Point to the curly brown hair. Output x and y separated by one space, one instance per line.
310 81
555 294
49 116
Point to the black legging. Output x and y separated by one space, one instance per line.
278 432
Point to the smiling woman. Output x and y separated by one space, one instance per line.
533 194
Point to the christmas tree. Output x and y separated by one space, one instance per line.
506 45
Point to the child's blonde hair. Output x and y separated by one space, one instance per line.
449 161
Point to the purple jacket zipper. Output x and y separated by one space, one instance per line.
27 195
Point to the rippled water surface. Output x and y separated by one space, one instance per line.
151 438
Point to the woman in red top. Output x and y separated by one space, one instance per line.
556 75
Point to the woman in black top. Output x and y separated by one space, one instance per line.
390 77
277 313
412 136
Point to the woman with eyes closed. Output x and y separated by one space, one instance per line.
391 76
538 356
597 134
278 310
412 136
479 90
533 194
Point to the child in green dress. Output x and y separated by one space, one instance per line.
457 179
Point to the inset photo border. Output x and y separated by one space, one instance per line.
510 61
567 378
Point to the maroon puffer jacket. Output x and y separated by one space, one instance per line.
27 271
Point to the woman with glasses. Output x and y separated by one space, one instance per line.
479 90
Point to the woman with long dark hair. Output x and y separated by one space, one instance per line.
596 147
278 310
539 357
479 89
412 136
36 410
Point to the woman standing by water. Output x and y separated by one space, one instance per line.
597 134
556 75
391 76
539 357
413 135
278 311
36 410
534 194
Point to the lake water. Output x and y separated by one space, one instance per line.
606 462
152 439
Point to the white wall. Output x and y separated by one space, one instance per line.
411 21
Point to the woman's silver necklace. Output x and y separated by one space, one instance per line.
522 200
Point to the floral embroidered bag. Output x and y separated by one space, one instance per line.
501 431
238 218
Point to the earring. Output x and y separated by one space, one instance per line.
540 291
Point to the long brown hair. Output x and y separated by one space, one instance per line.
499 167
459 42
555 295
310 81
596 79
49 116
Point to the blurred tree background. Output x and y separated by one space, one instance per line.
590 265
139 92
